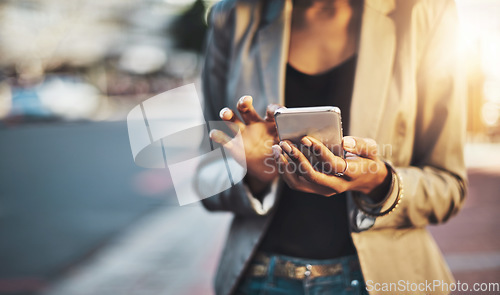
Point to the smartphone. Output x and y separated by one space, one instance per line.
322 123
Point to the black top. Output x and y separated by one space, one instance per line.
309 225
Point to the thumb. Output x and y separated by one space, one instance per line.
270 111
363 147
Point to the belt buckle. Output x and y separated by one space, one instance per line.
290 269
335 269
259 270
293 271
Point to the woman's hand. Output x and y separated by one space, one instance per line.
362 170
258 136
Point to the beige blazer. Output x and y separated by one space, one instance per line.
408 96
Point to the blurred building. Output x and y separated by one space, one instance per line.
480 42
98 57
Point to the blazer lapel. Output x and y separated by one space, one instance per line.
374 68
273 44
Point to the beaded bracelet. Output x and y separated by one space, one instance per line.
362 204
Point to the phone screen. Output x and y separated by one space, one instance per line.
322 123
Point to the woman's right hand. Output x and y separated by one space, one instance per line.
258 134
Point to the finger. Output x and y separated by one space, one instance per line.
221 138
270 112
318 189
234 146
247 111
276 151
227 115
286 169
364 147
330 164
309 187
303 166
295 181
312 175
304 182
277 154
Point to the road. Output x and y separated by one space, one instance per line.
471 240
176 251
65 189
77 216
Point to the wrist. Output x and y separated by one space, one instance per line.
379 192
388 204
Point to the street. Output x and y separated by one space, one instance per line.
176 251
471 240
65 190
78 217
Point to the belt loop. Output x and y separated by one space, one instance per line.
346 271
270 270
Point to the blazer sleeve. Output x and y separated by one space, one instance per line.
434 185
238 198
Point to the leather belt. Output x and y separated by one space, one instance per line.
287 269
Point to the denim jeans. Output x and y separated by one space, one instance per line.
348 282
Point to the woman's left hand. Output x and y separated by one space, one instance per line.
362 170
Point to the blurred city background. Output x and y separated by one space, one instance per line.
77 216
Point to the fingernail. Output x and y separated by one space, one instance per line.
276 151
222 112
349 142
285 146
245 99
241 106
305 141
